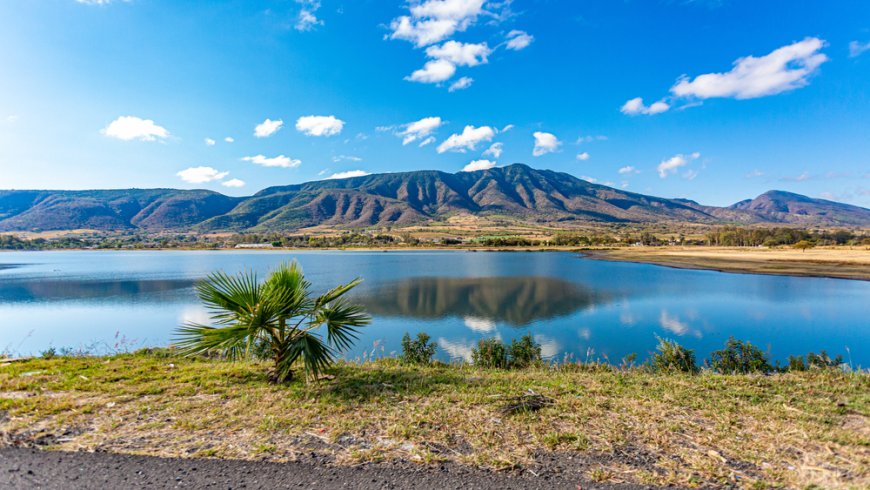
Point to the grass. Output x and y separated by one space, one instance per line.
792 430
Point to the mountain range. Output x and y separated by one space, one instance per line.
397 199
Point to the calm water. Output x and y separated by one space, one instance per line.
573 306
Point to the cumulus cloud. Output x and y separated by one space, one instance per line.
517 40
348 174
434 71
589 179
636 106
583 156
460 54
432 21
461 84
419 130
307 18
857 48
628 170
229 139
128 128
268 128
478 165
671 165
494 150
545 143
467 140
209 142
279 161
235 183
319 125
784 69
201 175
427 141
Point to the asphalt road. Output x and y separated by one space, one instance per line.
22 468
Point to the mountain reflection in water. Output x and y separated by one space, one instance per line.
514 300
47 290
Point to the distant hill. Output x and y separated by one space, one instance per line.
400 199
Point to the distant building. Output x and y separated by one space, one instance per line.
255 245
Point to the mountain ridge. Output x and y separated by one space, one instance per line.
400 198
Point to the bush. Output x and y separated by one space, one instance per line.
672 356
739 357
822 360
796 363
525 352
489 353
49 353
419 351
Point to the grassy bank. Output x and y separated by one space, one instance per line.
838 262
795 429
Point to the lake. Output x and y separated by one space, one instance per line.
576 308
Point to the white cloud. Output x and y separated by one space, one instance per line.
494 150
209 142
11 119
128 128
268 128
671 165
636 106
590 138
784 69
319 125
235 183
427 141
432 21
461 84
478 165
467 140
690 174
201 175
480 325
419 130
517 40
583 156
627 170
349 158
507 128
348 174
460 54
857 48
279 161
307 20
97 2
229 139
434 71
589 179
545 143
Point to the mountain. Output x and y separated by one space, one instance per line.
787 207
402 198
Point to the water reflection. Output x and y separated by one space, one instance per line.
481 301
49 290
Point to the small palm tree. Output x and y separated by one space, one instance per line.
279 315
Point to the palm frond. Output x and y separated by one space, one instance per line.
336 292
316 356
342 321
194 339
230 297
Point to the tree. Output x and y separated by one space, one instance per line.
803 245
279 316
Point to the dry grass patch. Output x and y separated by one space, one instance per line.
790 430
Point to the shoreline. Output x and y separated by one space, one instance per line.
604 425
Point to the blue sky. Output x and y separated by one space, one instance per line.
737 97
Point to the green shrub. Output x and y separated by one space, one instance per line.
796 363
739 357
822 360
672 356
490 353
419 350
525 352
49 353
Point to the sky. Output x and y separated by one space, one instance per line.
715 101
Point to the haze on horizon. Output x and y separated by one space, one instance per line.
715 100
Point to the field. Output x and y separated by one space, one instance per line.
617 425
841 262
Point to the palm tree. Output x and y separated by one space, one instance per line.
279 315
